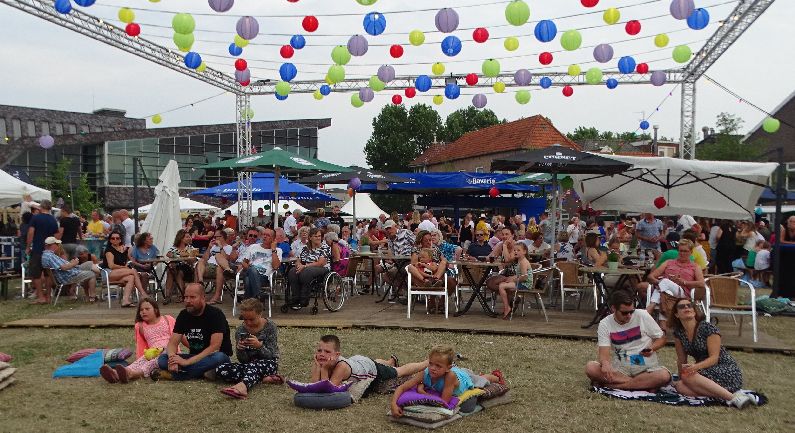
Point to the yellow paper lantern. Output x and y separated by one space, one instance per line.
574 70
611 16
438 99
240 42
126 15
661 40
202 67
156 119
318 95
499 87
416 38
438 68
511 43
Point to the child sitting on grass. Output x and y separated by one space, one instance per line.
446 380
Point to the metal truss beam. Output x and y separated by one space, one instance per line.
107 33
687 138
245 189
559 79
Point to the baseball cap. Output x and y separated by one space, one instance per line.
389 224
51 240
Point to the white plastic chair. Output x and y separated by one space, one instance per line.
722 297
570 282
423 291
239 289
25 281
105 274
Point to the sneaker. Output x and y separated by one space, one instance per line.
158 374
740 400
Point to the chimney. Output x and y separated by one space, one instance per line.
110 112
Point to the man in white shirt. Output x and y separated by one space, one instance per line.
291 224
426 223
628 341
684 223
537 246
259 262
129 227
574 230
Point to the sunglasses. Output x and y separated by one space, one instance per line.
481 234
687 306
627 313
114 238
251 235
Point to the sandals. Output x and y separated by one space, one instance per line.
274 379
121 372
93 299
232 392
395 358
500 377
109 374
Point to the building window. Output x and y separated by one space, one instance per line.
3 132
45 128
31 128
58 129
16 128
479 170
84 129
71 128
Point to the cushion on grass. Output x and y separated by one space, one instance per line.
6 373
4 357
414 398
86 367
428 413
4 365
80 354
334 400
425 425
119 354
322 387
358 389
6 382
493 390
496 401
389 386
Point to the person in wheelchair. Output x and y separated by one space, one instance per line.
313 262
215 264
260 260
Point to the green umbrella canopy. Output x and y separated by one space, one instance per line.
270 160
533 178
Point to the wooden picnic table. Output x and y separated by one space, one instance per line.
597 273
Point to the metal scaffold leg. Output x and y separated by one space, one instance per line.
687 139
244 147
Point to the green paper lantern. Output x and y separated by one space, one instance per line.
156 119
566 183
126 15
416 38
356 101
183 41
661 40
437 68
183 23
611 16
202 67
318 95
571 40
340 55
574 70
491 68
771 125
593 76
267 207
283 88
336 74
682 54
523 96
240 41
499 87
517 12
247 114
286 206
438 99
366 2
511 43
376 84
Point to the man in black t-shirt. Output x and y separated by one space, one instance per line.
207 332
69 232
335 217
42 226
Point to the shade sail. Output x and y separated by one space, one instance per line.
719 189
365 207
263 189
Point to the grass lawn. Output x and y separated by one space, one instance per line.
546 375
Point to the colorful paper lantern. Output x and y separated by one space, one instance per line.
568 91
471 79
202 67
632 27
451 46
493 192
446 20
423 83
374 23
310 23
589 3
376 84
241 64
366 94
593 76
523 96
522 77
611 83
410 92
287 72
545 58
396 51
438 99
317 95
221 5
491 68
243 76
658 78
156 119
498 87
571 40
184 42
771 125
603 53
280 97
480 100
452 91
661 40
340 55
517 12
325 90
644 124
626 65
63 6
358 45
660 202
480 35
134 29
247 114
545 82
363 2
183 23
386 73
642 68
240 42
286 51
283 88
681 9
758 211
397 99
682 54
699 19
85 3
234 50
46 141
545 30
336 74
297 42
247 27
511 43
574 70
566 183
611 16
437 68
416 38
193 60
126 15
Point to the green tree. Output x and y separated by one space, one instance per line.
727 123
73 190
584 133
466 120
727 144
399 136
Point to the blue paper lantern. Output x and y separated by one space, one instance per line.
451 46
85 3
374 23
423 83
452 91
193 60
612 83
644 125
546 30
234 50
626 65
325 90
297 42
288 71
759 211
545 82
63 6
698 19
280 97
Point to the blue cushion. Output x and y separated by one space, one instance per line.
334 400
85 367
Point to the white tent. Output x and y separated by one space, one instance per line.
12 190
365 207
256 204
718 189
185 205
163 220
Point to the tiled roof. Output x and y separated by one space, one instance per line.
531 133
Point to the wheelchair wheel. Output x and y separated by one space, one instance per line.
284 308
334 292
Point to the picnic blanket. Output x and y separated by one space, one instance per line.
668 395
87 366
430 415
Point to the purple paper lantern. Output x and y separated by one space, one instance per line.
243 76
221 5
447 20
658 78
681 9
386 73
480 100
603 53
46 141
366 94
355 183
358 45
522 77
247 27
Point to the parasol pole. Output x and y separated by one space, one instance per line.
276 177
553 211
354 209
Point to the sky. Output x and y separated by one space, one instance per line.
46 66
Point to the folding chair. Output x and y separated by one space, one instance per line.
723 297
105 274
538 272
49 273
237 291
423 291
570 282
